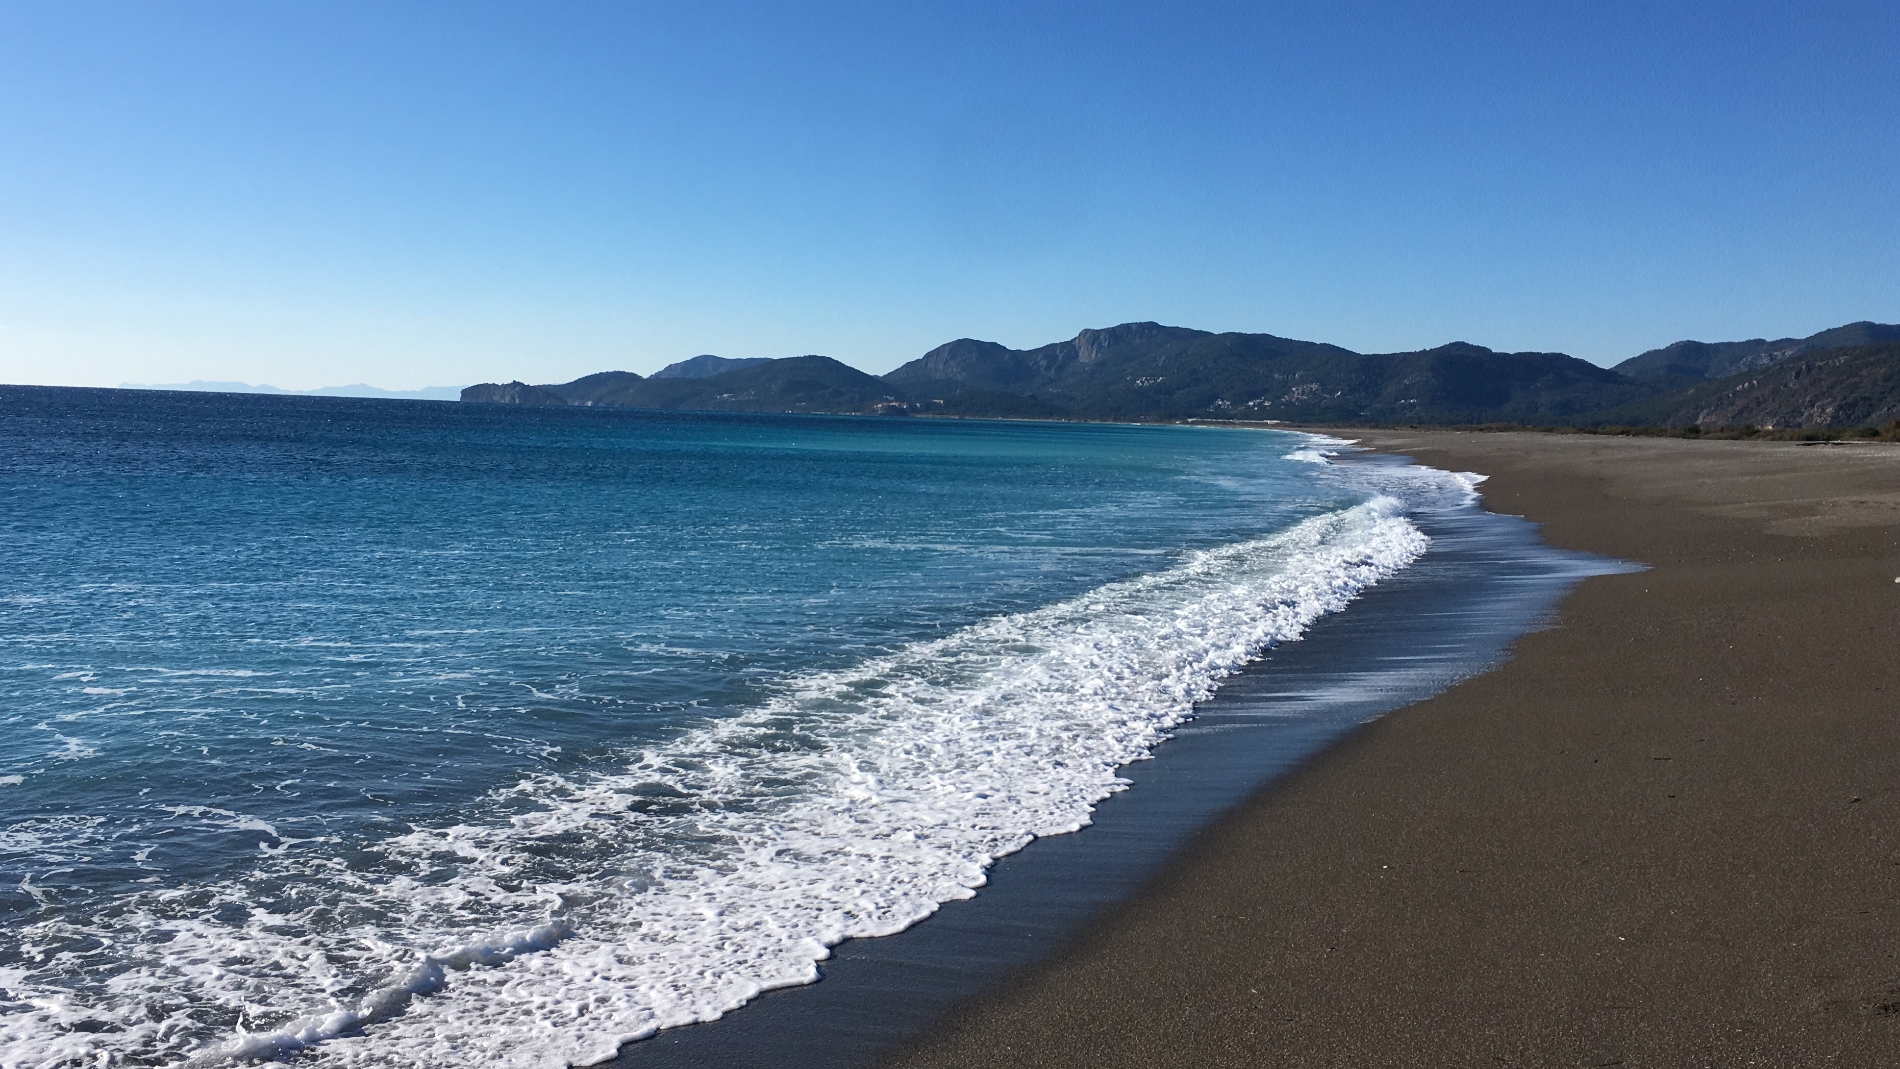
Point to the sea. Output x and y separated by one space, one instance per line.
395 733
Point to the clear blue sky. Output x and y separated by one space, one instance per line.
315 192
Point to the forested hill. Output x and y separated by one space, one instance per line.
1852 386
796 384
1147 371
1697 360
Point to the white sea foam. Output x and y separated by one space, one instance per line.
565 916
1319 449
1419 486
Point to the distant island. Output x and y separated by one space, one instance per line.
427 393
1845 377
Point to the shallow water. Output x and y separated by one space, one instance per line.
383 733
1485 580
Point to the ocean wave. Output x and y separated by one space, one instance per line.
564 916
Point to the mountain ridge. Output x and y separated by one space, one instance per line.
1848 386
1714 360
706 365
1145 370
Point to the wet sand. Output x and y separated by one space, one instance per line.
1667 832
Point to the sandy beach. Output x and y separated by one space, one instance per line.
1667 832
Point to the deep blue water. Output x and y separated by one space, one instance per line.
423 713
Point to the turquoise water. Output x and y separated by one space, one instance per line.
378 732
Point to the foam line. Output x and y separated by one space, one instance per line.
564 916
430 974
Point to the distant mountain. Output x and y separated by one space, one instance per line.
430 393
1690 360
512 393
1853 386
794 384
427 393
968 364
202 386
1147 371
593 389
701 367
1136 371
1150 371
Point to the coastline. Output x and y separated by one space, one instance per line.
1665 832
1486 580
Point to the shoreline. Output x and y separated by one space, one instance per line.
1666 832
1451 614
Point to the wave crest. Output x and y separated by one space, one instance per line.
729 859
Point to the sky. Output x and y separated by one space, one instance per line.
318 192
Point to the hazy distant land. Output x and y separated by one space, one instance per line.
427 393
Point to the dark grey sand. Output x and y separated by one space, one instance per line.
1454 613
1666 833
